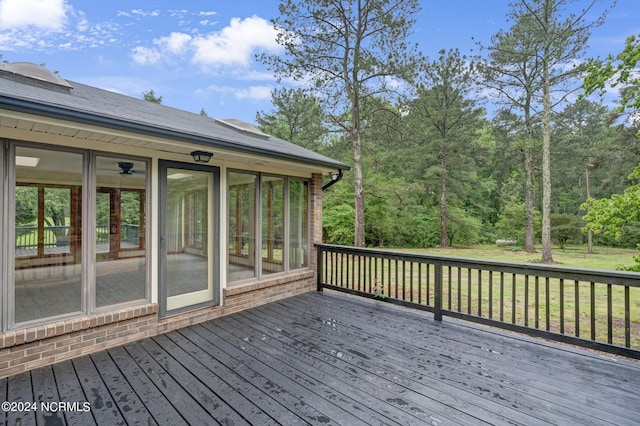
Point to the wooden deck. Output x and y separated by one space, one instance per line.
325 358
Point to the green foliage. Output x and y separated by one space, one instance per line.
620 69
297 118
150 96
610 215
565 227
511 222
337 215
463 229
26 205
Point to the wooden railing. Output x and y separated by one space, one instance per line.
27 236
592 308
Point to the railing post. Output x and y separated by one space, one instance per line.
437 302
319 268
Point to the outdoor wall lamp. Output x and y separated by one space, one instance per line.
201 156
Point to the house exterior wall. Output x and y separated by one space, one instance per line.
22 349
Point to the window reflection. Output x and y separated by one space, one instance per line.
272 224
48 214
120 230
298 224
242 237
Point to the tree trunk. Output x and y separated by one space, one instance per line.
359 240
443 203
529 200
547 257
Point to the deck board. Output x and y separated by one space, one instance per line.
420 352
333 359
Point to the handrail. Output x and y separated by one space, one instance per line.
593 308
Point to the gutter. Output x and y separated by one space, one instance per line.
333 181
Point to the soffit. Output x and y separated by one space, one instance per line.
30 127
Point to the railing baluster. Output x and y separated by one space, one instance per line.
449 273
561 305
404 280
537 302
375 275
469 291
547 303
593 310
501 296
577 305
609 315
420 283
479 292
359 271
437 303
513 299
490 294
526 300
459 289
389 278
627 318
429 284
411 281
349 265
396 280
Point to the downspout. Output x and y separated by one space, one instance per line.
333 181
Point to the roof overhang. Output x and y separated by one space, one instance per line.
40 118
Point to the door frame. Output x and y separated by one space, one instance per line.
214 205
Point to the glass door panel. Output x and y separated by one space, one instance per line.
187 238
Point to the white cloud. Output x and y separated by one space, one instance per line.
254 93
48 15
175 43
145 13
235 44
146 55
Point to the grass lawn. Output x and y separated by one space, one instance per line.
573 256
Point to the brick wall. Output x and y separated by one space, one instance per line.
34 347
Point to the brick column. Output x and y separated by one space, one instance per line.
315 209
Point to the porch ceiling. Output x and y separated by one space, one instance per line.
23 126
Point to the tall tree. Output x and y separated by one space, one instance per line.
447 121
347 50
564 39
297 117
556 41
512 73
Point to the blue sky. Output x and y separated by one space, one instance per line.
200 54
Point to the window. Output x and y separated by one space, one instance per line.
272 224
54 223
298 223
242 226
47 279
279 222
120 210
